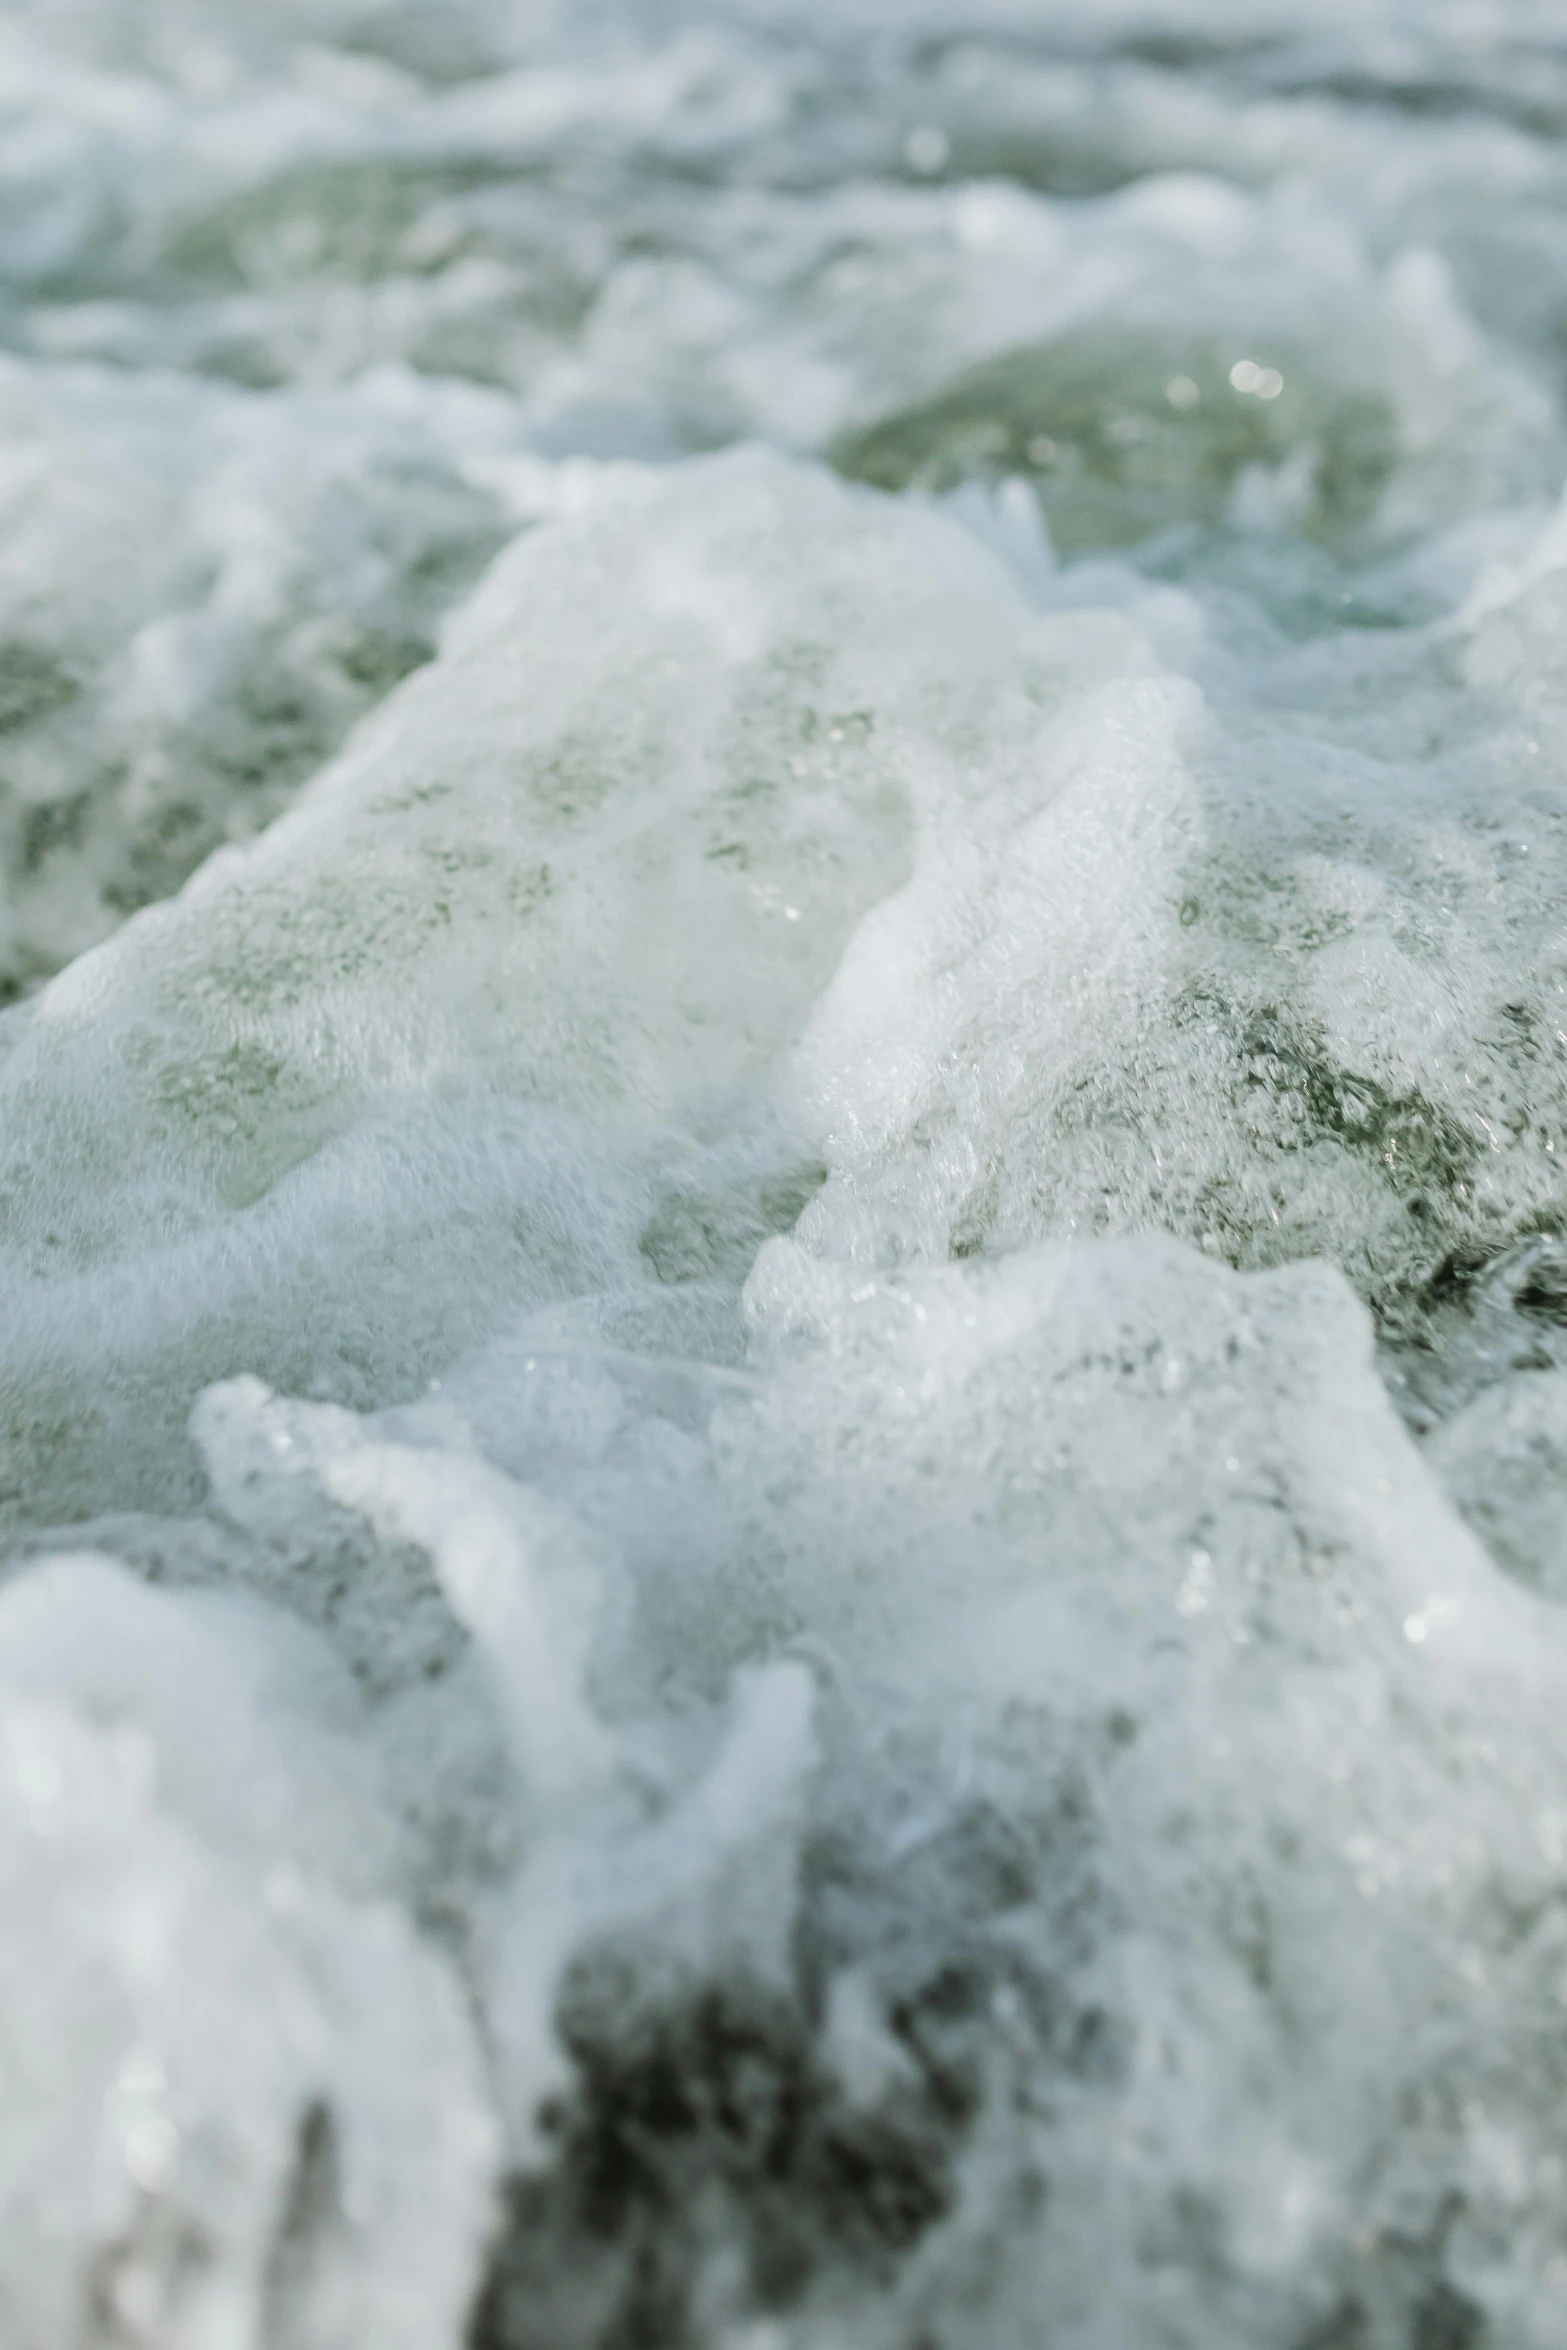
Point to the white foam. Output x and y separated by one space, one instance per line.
780 1374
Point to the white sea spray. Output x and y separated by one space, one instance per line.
784 1301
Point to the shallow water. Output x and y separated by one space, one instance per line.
783 1385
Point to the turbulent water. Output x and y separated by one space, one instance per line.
783 1350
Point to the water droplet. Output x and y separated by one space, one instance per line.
926 148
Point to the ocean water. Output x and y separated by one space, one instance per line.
783 1175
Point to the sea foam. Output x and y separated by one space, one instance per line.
785 1312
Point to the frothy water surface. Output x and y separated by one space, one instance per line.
783 1385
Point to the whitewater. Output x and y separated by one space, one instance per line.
783 1175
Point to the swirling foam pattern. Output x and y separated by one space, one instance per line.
783 1226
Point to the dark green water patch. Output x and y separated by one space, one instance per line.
1125 434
